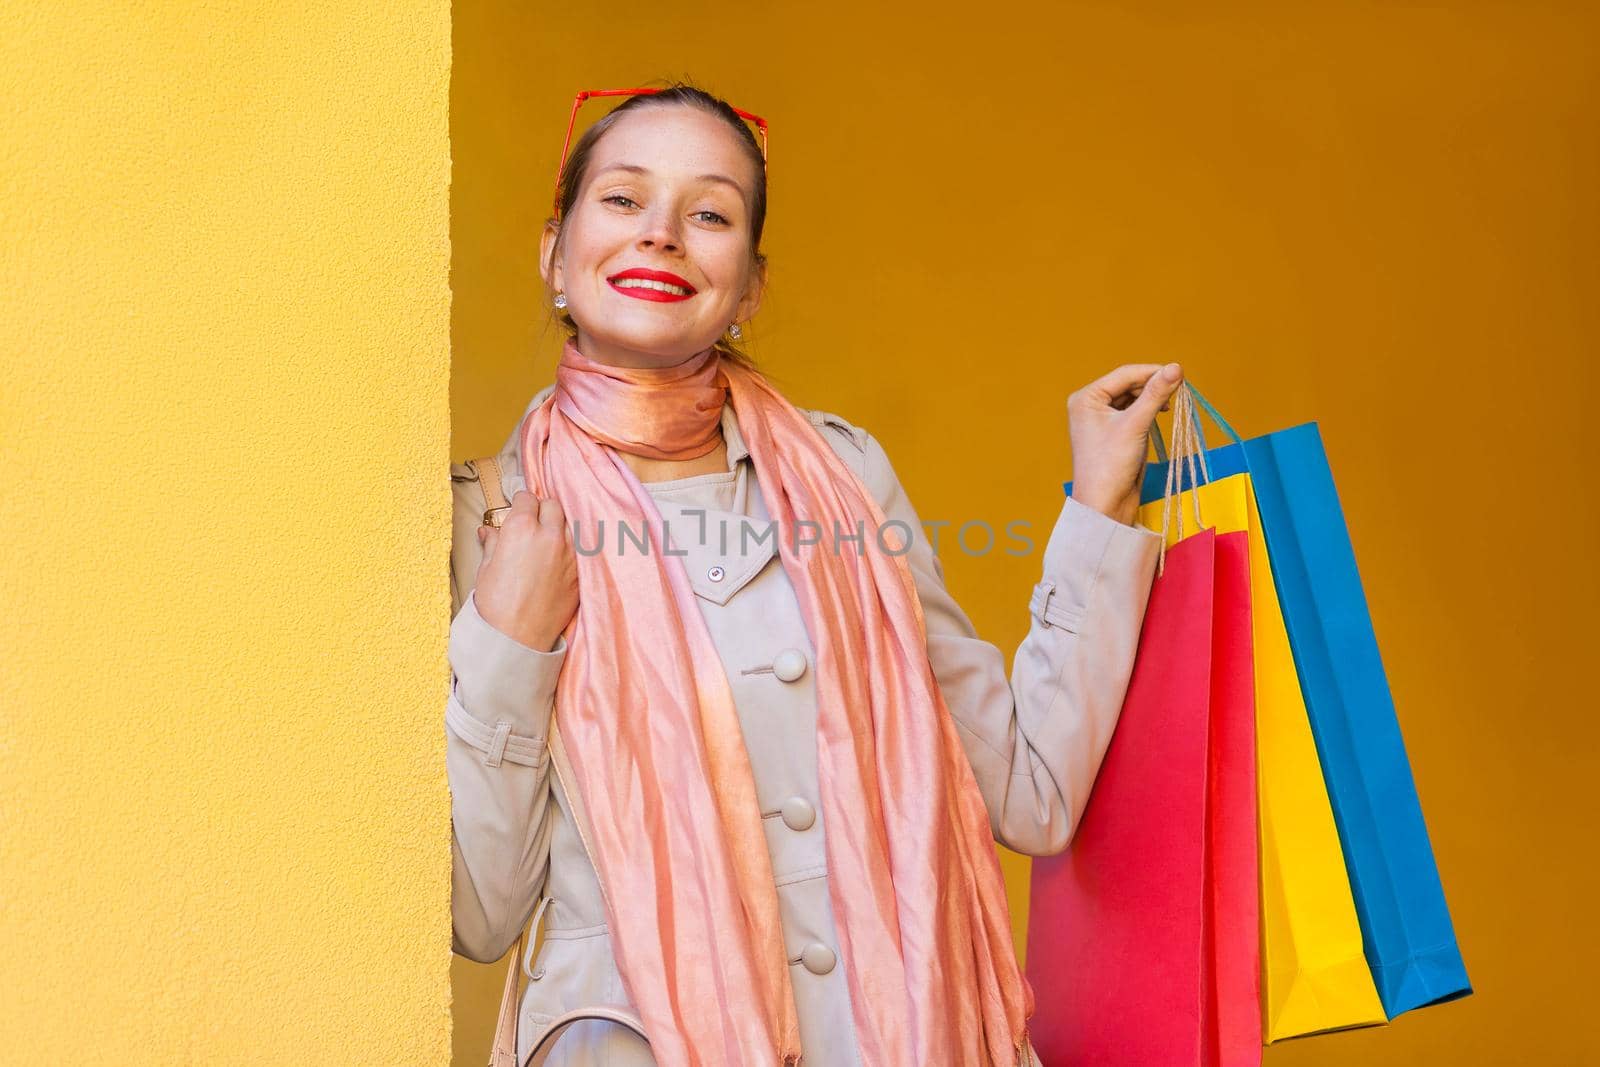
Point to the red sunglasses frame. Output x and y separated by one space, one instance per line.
577 102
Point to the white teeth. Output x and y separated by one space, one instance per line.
646 283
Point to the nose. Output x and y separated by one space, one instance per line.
661 231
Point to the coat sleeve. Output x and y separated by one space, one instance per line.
1035 741
502 694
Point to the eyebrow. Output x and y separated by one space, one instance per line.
634 168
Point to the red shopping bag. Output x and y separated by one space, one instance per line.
1143 937
1233 911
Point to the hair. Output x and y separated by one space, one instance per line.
677 94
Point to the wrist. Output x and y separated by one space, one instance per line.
537 638
537 642
1123 508
540 639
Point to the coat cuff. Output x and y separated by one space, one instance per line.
1085 543
498 678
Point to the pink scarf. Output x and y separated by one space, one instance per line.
650 732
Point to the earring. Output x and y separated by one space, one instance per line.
734 331
561 300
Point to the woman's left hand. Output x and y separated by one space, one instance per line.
1109 424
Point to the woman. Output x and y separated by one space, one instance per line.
751 782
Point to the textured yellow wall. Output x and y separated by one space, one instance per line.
223 400
1378 216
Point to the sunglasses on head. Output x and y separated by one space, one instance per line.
760 124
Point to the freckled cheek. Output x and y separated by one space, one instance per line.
720 267
597 251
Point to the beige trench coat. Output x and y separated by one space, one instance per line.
1035 742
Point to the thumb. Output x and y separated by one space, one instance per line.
1158 389
488 537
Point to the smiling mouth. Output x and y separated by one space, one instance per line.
649 289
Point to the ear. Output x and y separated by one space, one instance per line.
750 303
548 270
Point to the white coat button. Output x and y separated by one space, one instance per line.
716 574
789 664
818 958
798 814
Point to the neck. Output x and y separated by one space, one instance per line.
618 356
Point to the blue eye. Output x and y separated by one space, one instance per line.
616 196
714 215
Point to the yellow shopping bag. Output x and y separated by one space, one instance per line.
1314 970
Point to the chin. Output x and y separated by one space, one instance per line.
668 346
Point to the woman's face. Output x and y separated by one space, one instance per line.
669 191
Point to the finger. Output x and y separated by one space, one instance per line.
1158 390
550 513
1125 378
1125 399
1167 406
522 500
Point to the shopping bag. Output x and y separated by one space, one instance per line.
1314 970
1409 940
1142 935
1233 912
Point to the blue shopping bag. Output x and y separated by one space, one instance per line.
1408 937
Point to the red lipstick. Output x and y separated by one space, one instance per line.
639 292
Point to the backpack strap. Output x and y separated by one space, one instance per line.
487 468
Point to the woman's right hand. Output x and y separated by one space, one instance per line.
527 584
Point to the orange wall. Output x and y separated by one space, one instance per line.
1380 218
